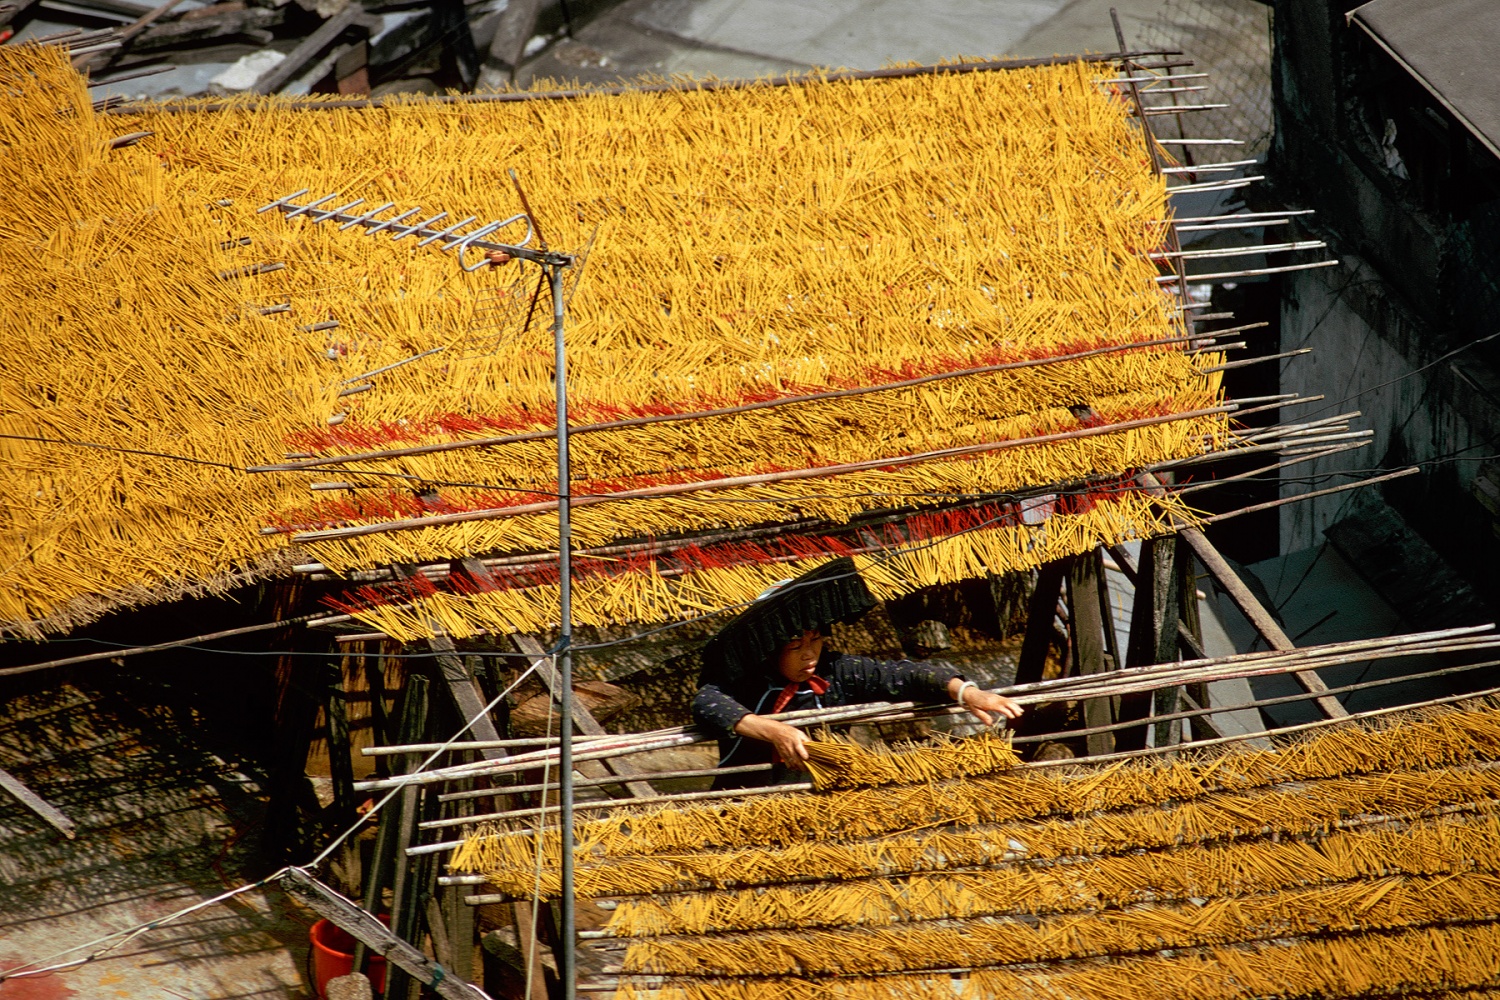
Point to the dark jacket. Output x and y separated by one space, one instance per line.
853 680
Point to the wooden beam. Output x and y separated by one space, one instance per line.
404 914
1041 611
465 694
278 76
1260 619
377 937
582 717
1087 626
31 800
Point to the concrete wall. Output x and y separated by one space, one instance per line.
1373 355
1397 325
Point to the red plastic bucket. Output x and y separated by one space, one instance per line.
333 956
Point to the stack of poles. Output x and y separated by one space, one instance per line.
1076 688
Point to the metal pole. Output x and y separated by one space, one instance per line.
568 960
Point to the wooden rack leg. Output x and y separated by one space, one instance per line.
340 760
460 918
1190 636
412 714
1041 610
405 896
380 720
1153 631
1107 614
1259 617
1087 627
528 933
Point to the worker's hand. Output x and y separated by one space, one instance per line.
789 742
498 257
984 705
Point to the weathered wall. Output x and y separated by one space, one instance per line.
1396 327
1368 350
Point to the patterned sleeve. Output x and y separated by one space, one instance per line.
863 679
715 711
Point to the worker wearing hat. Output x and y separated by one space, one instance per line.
772 658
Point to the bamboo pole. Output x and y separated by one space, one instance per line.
732 482
1399 474
613 425
789 79
31 800
1255 361
1194 712
692 772
69 661
438 848
1131 680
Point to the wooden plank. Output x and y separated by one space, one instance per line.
530 928
31 800
582 717
376 936
1250 606
14 11
278 76
1258 617
1041 610
1087 627
465 694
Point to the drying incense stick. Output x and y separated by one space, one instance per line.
1282 732
732 482
1262 663
612 425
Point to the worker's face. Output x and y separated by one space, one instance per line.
799 656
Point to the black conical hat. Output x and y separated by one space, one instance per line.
834 592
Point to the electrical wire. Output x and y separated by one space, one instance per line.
126 451
1401 378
